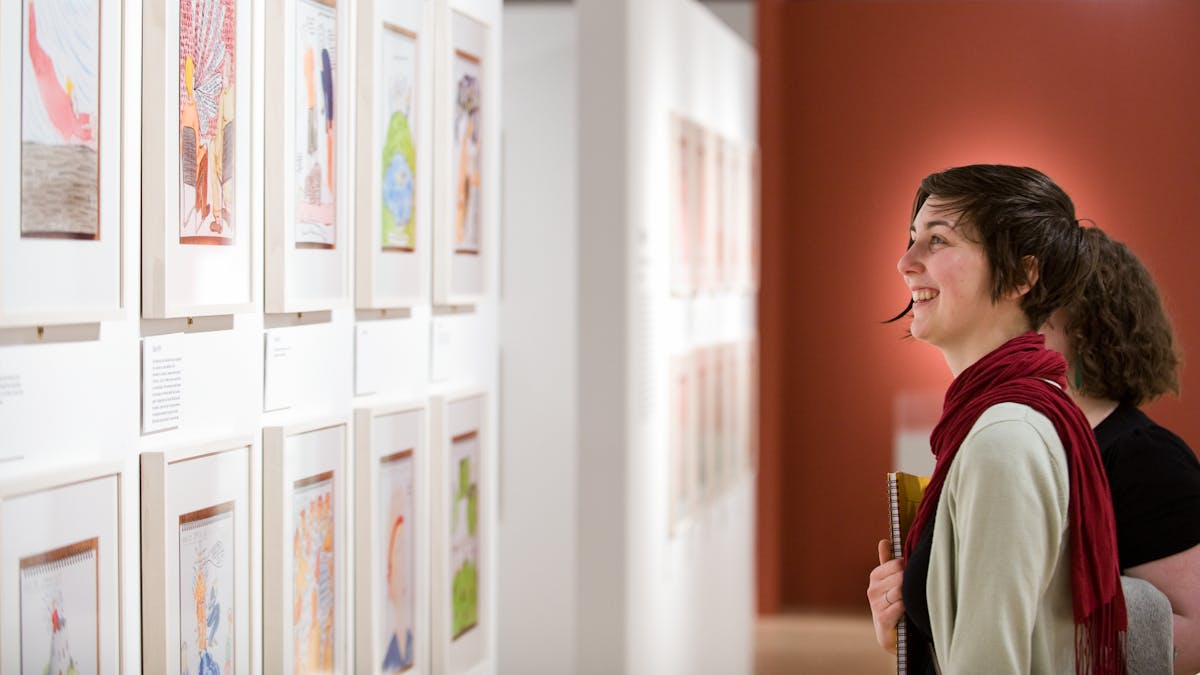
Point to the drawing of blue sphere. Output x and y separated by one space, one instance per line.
398 189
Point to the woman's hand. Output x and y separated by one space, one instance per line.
883 594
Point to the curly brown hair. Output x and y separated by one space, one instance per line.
1119 332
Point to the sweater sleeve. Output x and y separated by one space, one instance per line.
998 539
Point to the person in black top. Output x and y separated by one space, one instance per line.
1118 342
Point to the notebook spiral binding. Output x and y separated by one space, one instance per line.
897 551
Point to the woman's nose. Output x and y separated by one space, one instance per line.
910 261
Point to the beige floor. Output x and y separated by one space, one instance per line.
819 644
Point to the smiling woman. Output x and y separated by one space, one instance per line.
1010 565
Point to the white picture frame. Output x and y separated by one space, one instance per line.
681 439
305 500
465 128
62 242
462 640
196 557
198 227
307 194
392 539
394 158
681 242
60 570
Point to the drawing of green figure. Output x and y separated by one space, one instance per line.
465 589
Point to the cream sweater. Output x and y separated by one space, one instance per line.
999 585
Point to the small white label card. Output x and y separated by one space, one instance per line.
441 345
279 370
162 382
370 343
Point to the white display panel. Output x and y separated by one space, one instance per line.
60 571
462 569
60 173
392 539
305 581
196 542
197 224
464 131
307 195
394 181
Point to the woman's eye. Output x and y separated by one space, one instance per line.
936 240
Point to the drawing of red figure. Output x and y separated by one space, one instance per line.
60 106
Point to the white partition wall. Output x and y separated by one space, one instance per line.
600 574
136 380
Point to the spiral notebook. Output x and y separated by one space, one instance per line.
904 498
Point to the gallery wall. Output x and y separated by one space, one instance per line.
665 585
862 99
72 392
540 334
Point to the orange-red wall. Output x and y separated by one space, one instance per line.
861 99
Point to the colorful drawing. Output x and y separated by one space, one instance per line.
681 440
60 610
397 112
397 530
464 156
313 555
207 107
464 533
60 104
207 561
681 239
316 65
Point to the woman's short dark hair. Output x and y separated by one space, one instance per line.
1118 331
1017 214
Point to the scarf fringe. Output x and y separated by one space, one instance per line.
1090 657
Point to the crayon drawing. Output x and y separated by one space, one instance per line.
207 561
464 155
397 535
398 107
464 533
60 610
60 104
313 555
207 106
316 66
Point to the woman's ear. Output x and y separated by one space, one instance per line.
1030 265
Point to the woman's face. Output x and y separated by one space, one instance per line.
950 281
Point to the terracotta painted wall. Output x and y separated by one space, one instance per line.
861 99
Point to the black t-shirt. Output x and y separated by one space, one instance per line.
1155 482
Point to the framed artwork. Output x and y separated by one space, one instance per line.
461 248
304 573
702 195
196 577
681 241
394 187
60 572
391 540
681 442
462 517
702 425
306 224
197 222
60 177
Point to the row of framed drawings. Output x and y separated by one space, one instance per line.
408 77
420 574
712 435
714 211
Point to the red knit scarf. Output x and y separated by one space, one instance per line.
1016 372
